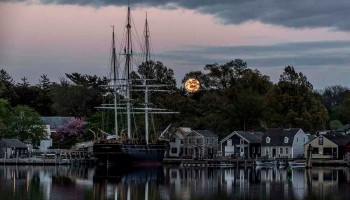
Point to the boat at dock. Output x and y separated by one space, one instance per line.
127 146
266 163
297 163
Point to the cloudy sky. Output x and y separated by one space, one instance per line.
54 37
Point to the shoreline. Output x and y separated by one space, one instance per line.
167 161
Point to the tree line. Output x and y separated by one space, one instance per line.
232 97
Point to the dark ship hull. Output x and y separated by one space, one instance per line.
123 154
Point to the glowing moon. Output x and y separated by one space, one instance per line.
192 85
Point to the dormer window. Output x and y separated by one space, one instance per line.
286 139
268 140
320 140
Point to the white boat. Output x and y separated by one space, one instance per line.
266 163
297 163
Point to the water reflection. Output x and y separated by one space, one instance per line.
171 182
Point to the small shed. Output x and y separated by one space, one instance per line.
12 148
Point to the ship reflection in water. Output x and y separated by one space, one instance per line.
72 182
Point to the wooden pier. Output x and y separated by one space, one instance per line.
47 161
209 162
244 163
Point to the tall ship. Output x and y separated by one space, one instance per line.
124 148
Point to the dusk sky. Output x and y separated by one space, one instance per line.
54 37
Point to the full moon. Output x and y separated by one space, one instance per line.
192 85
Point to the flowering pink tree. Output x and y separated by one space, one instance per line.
70 133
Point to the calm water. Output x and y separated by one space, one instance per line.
65 182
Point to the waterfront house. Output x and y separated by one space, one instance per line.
52 124
329 146
12 148
283 143
200 144
176 142
345 130
241 143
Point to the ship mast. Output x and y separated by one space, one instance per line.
114 57
128 52
147 62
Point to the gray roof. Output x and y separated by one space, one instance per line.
9 143
252 137
205 133
311 137
343 128
181 132
56 122
277 136
338 139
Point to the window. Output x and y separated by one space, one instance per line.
286 139
268 139
242 141
315 150
281 150
320 140
286 150
253 149
327 151
198 141
173 150
173 174
229 142
304 139
182 141
189 141
210 141
297 139
258 149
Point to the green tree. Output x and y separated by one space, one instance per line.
335 95
292 103
247 96
80 97
26 125
5 113
75 100
157 71
44 101
231 98
345 111
87 80
26 94
7 90
335 124
224 76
